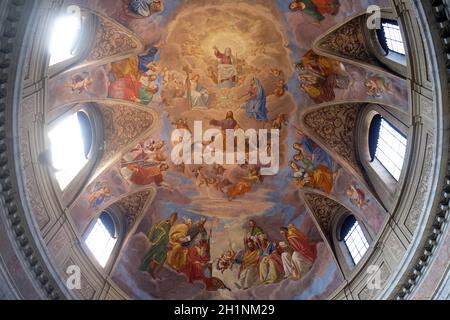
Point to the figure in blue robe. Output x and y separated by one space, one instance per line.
148 58
140 7
319 156
256 102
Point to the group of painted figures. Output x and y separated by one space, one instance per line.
185 248
314 8
135 79
144 8
264 261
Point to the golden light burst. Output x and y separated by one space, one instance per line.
239 44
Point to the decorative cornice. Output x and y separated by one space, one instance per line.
441 220
11 62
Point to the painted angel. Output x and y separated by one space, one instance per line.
81 82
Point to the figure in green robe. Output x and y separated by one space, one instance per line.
255 231
308 7
159 241
146 94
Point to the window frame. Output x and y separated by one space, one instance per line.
120 225
387 188
343 239
88 33
74 188
377 149
341 250
393 61
383 30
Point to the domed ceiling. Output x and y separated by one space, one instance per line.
165 65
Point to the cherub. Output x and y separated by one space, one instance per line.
167 76
156 145
277 73
259 49
280 88
241 79
376 86
212 74
226 261
153 68
155 152
182 124
100 193
219 184
357 196
81 83
218 169
202 179
280 121
179 88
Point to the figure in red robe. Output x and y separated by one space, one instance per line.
299 253
198 262
199 265
146 175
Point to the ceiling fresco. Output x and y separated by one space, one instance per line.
226 231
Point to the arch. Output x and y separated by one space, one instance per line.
68 191
128 211
110 221
88 24
353 42
113 118
340 248
378 46
105 41
426 213
385 185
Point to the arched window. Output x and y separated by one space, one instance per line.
388 145
70 143
350 239
390 37
355 240
71 36
383 148
388 44
102 238
65 36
